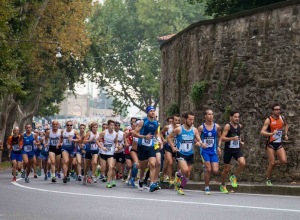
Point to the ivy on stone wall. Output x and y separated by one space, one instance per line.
173 109
197 92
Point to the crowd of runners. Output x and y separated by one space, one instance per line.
134 154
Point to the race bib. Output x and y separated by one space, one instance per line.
146 142
54 142
186 147
16 148
130 147
277 136
109 147
67 142
94 146
46 149
234 144
209 142
27 148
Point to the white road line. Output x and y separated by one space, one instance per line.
158 200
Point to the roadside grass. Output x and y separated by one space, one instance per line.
5 165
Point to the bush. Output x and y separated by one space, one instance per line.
197 92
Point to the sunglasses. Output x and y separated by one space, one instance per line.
69 125
277 109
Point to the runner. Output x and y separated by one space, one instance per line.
210 134
37 162
134 156
29 139
169 154
273 129
14 145
120 156
146 130
185 135
44 148
231 137
92 149
109 145
55 150
67 150
80 146
128 147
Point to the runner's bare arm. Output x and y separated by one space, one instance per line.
225 132
264 131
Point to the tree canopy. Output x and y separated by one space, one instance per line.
124 47
219 8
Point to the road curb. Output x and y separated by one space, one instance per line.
289 190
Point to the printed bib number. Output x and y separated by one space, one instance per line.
15 147
46 149
235 144
67 142
186 147
146 142
277 136
109 147
27 148
209 142
54 142
94 146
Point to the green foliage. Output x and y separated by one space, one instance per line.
125 51
173 109
197 92
227 112
219 8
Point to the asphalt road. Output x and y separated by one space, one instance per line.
41 199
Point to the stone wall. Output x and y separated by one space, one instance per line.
248 61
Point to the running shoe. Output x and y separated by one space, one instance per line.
232 179
113 183
75 176
49 174
207 191
68 179
14 179
269 183
108 185
177 181
27 180
157 186
104 179
35 176
171 183
23 174
58 175
46 177
39 172
72 173
65 180
223 189
140 185
131 182
53 179
84 180
79 178
152 187
101 177
145 186
180 191
94 179
89 180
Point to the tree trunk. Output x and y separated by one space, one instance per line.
7 105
